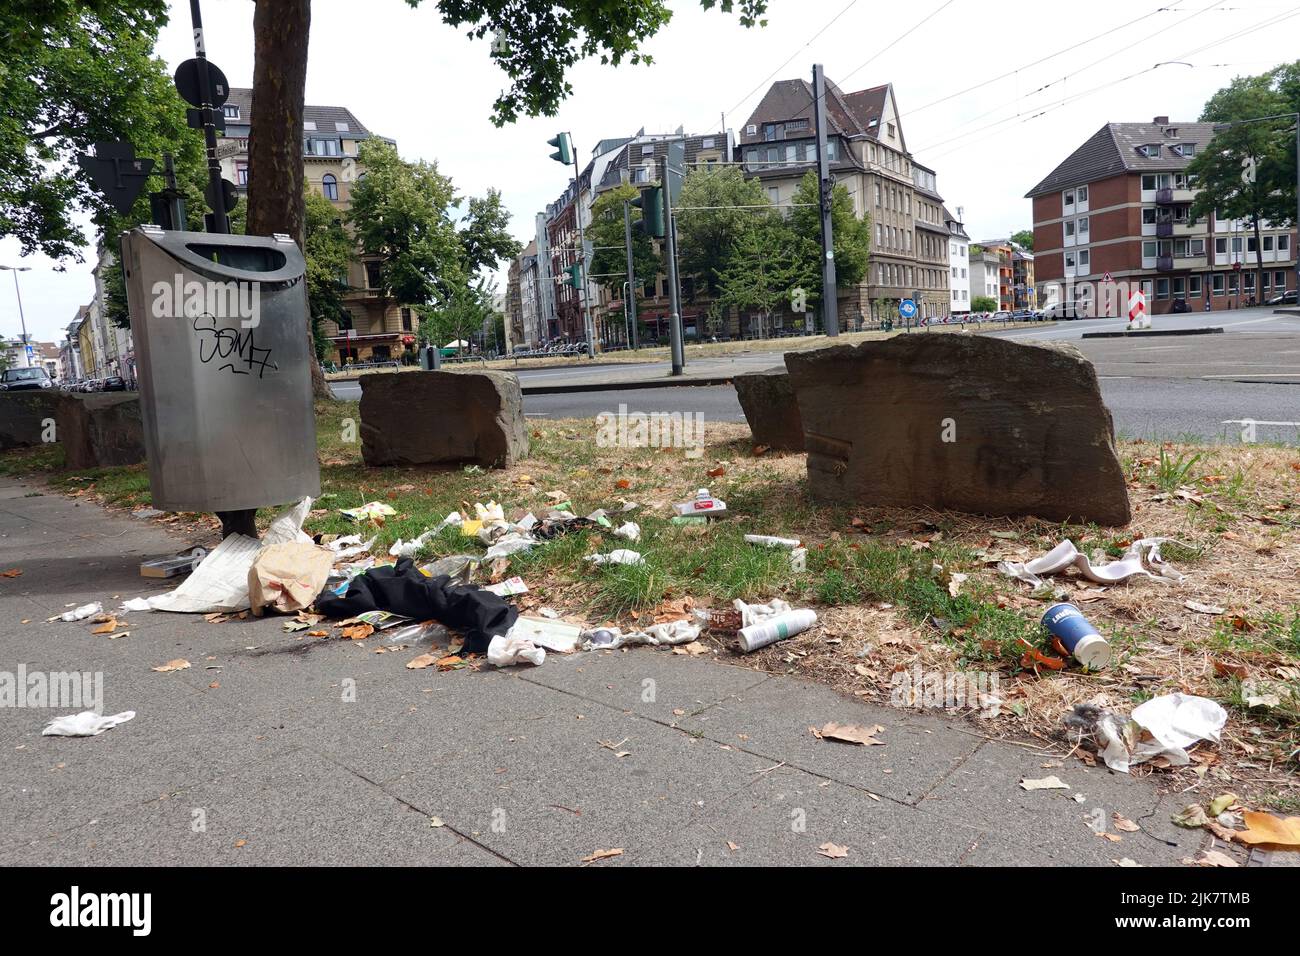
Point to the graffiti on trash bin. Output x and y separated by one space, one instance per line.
232 347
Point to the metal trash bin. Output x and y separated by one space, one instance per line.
220 330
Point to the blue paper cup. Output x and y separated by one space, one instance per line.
1068 625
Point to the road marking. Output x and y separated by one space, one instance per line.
1256 421
1237 325
1257 375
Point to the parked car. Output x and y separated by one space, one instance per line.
114 383
1023 315
1064 310
1284 298
1001 315
23 379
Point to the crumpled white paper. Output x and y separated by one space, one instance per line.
85 724
631 531
505 651
668 633
1141 558
1176 721
758 613
619 556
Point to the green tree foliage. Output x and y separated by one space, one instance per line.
456 317
607 234
766 266
540 42
73 73
1267 147
1024 239
485 234
708 233
329 250
983 303
852 236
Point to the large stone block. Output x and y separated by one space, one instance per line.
23 417
770 408
428 418
101 430
961 422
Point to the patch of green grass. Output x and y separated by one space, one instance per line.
38 460
1173 470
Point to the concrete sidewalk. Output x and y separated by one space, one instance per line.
252 756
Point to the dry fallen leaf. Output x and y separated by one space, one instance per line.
1200 608
179 664
1264 828
849 733
358 632
833 851
1124 823
1212 858
424 660
1044 783
106 628
239 843
602 855
716 472
12 572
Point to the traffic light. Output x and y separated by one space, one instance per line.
651 204
575 275
563 149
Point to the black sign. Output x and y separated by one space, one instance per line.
229 195
117 173
187 83
194 119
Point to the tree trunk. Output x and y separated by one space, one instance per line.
275 163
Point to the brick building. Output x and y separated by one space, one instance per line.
1120 204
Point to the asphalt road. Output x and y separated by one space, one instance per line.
1177 387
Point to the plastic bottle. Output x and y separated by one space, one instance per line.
776 629
771 541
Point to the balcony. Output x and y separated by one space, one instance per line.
1165 229
1165 264
1164 197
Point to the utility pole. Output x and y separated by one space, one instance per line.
674 303
584 299
830 303
220 222
631 273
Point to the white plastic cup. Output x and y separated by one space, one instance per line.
776 629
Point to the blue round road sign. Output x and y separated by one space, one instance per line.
907 308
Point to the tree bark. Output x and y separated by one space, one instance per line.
275 154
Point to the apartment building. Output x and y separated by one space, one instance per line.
1120 205
959 279
984 271
376 328
868 155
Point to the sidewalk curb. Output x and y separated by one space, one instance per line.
1209 330
626 386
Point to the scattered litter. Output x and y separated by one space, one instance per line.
553 635
764 624
631 531
619 556
287 577
83 612
505 651
508 588
702 505
85 724
369 511
135 604
426 632
179 664
1200 608
668 633
1164 726
459 567
349 546
1044 783
170 566
1077 635
510 543
1141 558
771 541
689 520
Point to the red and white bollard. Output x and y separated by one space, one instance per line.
1137 311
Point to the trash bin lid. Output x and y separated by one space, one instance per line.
265 259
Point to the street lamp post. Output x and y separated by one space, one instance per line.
22 319
1219 127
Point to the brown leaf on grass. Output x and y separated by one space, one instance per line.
849 733
716 472
418 663
358 632
833 851
622 483
597 855
179 664
1229 668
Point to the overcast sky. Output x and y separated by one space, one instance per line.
407 76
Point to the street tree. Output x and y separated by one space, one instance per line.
402 214
457 316
1248 171
718 207
1024 239
608 235
485 234
984 303
329 250
765 269
74 73
852 236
